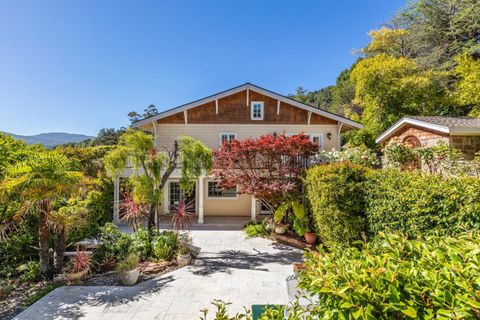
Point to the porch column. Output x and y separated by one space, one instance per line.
253 209
116 200
200 199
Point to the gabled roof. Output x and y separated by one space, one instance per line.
240 88
450 125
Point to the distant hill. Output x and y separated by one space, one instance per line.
51 139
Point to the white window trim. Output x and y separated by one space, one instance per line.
220 134
311 135
251 109
221 198
319 135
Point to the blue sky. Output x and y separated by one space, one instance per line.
78 66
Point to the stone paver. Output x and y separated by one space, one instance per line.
229 267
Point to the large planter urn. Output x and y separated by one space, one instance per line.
280 229
129 277
184 259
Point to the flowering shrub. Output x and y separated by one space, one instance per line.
357 155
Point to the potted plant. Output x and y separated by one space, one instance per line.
128 270
310 237
280 228
80 266
183 255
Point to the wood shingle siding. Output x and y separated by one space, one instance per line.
234 110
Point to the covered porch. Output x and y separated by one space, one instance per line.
208 210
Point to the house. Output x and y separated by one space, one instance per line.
462 133
238 113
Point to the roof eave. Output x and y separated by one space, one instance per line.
414 122
240 88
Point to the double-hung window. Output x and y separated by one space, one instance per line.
214 191
257 110
227 137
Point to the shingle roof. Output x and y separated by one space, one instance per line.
467 122
450 125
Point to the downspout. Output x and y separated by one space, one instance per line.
339 131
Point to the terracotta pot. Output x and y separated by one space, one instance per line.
130 277
310 237
184 259
280 229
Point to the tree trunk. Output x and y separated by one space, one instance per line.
43 240
151 218
59 251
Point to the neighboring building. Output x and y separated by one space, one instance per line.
242 112
462 133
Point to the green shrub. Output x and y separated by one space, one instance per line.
142 243
395 278
29 271
337 200
164 245
18 248
258 229
417 204
114 242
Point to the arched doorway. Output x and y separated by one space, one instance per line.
413 142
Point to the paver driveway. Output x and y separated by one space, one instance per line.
229 267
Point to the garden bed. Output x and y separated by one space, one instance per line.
22 296
293 240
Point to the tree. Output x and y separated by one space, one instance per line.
388 88
268 168
439 30
67 218
40 180
392 42
468 86
153 166
321 99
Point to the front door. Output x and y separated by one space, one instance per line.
175 194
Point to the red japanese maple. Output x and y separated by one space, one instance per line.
268 167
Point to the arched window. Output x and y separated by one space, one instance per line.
412 142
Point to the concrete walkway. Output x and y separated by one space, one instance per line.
229 267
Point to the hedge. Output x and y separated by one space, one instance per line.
337 197
418 204
348 200
395 278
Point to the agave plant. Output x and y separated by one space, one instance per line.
182 217
133 213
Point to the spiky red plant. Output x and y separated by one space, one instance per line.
182 217
132 213
81 261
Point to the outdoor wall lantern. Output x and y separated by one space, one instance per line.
329 136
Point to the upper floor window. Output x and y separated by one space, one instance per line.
227 137
257 110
